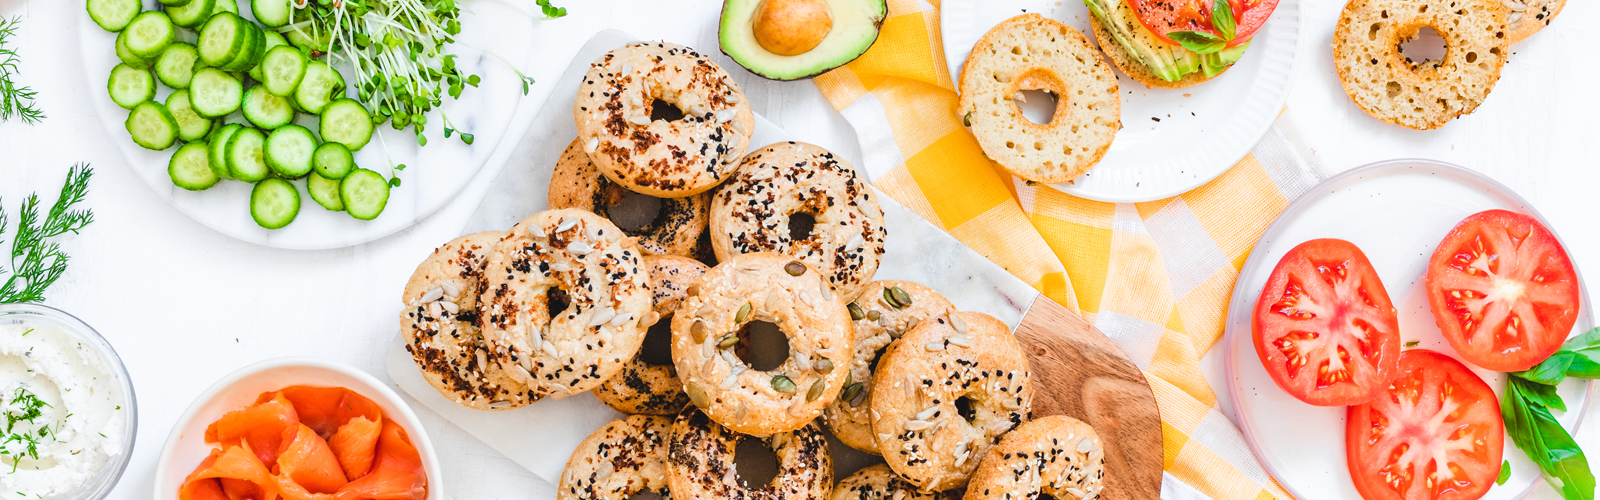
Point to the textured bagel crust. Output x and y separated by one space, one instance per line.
623 458
878 483
577 183
1030 52
751 213
1533 16
880 323
701 462
666 159
1135 68
1427 94
599 269
440 323
776 289
1057 455
642 387
919 381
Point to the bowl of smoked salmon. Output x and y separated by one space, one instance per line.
298 428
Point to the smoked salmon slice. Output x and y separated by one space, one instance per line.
237 462
356 445
397 473
197 488
264 426
325 409
310 463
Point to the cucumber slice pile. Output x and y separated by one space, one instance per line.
238 87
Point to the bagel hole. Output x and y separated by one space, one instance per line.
558 301
766 346
1424 47
657 347
965 409
800 226
633 211
754 462
1040 105
663 110
703 251
647 495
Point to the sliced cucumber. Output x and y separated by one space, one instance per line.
130 86
347 122
245 159
113 15
272 13
265 110
149 33
175 3
320 85
273 40
282 69
191 14
175 67
222 38
215 93
364 193
229 6
289 150
126 56
311 39
189 167
333 161
325 192
217 148
255 46
152 126
274 203
191 126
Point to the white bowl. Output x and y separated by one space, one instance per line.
186 447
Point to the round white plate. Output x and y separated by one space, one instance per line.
1172 140
434 174
1397 212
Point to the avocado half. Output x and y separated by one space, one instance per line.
855 28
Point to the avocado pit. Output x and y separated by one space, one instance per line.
791 27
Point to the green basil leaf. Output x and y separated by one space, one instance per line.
1584 367
1588 341
1541 437
1541 395
1222 18
1505 473
1551 371
1199 42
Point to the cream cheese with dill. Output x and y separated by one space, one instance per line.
60 412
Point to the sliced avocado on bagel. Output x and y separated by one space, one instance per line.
1176 43
794 39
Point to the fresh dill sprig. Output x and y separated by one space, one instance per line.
36 262
15 101
25 407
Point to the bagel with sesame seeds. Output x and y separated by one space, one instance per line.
701 452
945 393
577 183
440 326
1058 456
877 483
621 459
709 325
583 260
1425 94
882 312
752 211
647 388
1529 16
666 159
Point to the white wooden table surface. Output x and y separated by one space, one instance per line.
185 305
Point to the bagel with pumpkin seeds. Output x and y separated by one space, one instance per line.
882 312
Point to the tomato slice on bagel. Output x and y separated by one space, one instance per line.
1163 17
1435 433
1324 326
1502 290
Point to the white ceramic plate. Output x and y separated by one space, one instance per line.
435 173
186 446
1397 212
1172 140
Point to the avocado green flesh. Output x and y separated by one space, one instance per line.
855 27
1167 61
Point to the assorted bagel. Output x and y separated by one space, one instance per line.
562 303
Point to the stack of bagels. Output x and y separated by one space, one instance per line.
560 304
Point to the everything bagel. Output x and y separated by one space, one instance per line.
624 458
701 460
877 483
577 183
642 387
1057 455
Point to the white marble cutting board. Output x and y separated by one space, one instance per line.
541 436
435 174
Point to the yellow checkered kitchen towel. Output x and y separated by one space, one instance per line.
1155 276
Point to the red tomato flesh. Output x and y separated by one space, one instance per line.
1502 290
1324 327
1166 16
1435 433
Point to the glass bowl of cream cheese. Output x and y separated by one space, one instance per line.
67 410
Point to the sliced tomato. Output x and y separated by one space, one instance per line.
1166 16
1503 290
1434 433
1324 326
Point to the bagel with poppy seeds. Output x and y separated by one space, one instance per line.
1427 94
701 456
1056 456
577 183
619 460
878 483
882 313
642 387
